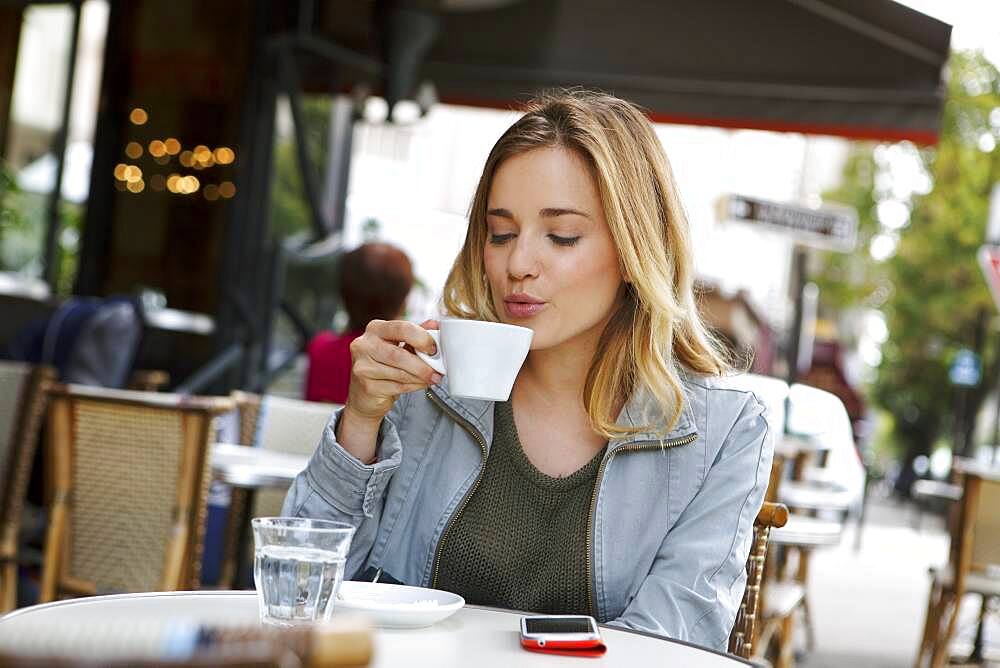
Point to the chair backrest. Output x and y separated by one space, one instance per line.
130 472
824 417
22 407
978 529
13 377
743 639
282 425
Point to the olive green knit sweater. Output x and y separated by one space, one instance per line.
520 541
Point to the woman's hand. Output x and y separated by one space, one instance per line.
383 366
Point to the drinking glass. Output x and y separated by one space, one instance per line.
298 567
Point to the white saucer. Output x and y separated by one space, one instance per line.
397 606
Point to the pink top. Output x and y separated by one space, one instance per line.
329 366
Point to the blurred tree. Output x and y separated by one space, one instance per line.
930 290
10 215
849 280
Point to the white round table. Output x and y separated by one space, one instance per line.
255 468
487 636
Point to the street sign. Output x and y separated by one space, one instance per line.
989 262
965 369
828 227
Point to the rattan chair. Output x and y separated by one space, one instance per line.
130 474
778 600
273 423
22 407
743 639
972 566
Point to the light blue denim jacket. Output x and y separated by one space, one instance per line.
671 520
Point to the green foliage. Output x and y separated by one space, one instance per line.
18 236
847 280
290 209
10 217
941 302
931 291
23 221
71 216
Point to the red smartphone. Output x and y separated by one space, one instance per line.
561 632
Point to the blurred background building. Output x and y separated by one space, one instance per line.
220 156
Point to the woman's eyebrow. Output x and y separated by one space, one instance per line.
560 211
548 212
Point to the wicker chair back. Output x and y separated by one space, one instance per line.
131 472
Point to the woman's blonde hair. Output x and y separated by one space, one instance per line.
656 329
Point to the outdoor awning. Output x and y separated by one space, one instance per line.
854 68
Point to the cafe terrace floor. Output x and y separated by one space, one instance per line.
868 605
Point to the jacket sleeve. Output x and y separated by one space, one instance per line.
695 585
337 486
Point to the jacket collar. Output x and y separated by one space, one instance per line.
640 410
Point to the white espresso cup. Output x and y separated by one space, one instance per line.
481 359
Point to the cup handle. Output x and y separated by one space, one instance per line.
435 361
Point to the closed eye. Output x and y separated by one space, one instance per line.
500 239
563 241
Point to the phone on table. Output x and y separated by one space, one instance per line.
570 633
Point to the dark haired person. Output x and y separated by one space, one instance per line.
374 279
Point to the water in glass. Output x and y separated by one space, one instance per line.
298 567
298 584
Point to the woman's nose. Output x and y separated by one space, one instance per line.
523 260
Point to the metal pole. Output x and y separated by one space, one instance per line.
965 441
15 16
798 280
240 283
53 219
338 161
212 370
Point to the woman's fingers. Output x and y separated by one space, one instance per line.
401 331
396 357
382 368
377 369
381 359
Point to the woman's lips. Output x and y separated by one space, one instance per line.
523 309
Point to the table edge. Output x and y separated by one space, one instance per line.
611 627
250 592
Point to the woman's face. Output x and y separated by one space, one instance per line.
550 260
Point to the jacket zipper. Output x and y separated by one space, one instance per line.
681 440
472 490
633 447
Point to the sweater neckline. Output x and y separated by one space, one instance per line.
506 427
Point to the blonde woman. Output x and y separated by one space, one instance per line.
623 476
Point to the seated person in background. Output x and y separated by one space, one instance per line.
375 279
